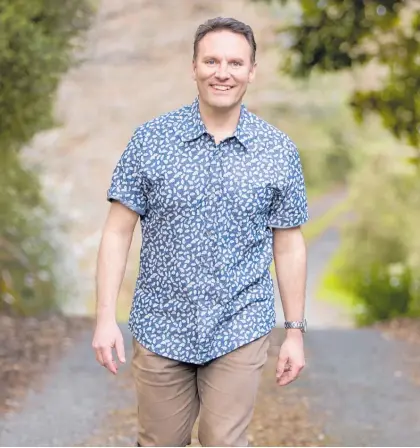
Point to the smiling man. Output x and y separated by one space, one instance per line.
219 193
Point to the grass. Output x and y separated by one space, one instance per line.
330 287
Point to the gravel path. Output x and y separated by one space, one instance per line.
73 404
318 313
356 382
82 394
359 383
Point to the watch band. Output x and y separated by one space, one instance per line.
297 324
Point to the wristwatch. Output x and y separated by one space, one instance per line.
299 324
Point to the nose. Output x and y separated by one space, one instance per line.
222 72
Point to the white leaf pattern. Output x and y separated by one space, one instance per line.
204 286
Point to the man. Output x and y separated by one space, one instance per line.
219 192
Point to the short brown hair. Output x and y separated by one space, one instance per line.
225 23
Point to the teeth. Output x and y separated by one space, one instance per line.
221 87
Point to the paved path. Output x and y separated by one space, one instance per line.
73 405
350 379
358 388
356 382
318 313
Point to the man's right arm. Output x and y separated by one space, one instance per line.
111 264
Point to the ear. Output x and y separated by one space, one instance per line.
252 73
193 71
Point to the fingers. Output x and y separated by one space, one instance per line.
107 337
104 357
119 347
99 358
289 374
281 365
108 362
287 377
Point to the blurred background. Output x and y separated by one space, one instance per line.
341 78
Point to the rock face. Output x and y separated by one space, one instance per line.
135 65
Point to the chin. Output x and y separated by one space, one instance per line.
222 103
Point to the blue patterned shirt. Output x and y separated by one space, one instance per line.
207 211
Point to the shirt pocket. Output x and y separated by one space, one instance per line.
246 198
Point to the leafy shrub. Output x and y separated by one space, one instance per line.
331 166
37 40
37 43
378 262
26 280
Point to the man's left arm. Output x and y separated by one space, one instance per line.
289 252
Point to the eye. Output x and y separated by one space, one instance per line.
210 62
236 63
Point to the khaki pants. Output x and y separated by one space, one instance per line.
171 394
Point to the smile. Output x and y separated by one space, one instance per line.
221 87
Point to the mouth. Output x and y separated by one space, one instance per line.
221 87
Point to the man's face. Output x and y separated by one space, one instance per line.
223 68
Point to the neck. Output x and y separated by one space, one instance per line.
220 123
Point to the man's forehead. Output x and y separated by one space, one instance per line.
229 44
223 36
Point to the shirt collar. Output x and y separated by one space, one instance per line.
195 128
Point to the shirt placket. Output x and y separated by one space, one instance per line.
208 307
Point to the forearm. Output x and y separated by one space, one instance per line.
111 265
290 265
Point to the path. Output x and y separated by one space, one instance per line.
356 383
320 314
351 377
73 404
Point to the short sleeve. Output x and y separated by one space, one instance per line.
289 207
128 185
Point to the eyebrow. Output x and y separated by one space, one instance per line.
237 59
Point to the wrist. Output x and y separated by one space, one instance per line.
294 333
105 316
296 325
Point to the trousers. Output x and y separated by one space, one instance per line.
221 393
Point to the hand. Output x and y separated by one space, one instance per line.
108 336
291 359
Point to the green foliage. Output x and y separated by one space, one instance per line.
322 128
37 43
377 269
37 39
335 35
378 264
329 167
26 257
